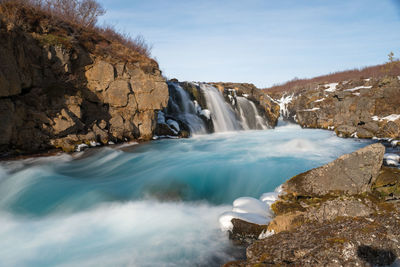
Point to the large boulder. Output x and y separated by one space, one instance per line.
350 174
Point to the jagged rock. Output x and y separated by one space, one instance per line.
349 174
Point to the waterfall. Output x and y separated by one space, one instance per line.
249 115
181 107
222 115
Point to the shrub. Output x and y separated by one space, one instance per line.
82 14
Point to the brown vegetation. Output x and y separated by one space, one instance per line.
75 20
391 68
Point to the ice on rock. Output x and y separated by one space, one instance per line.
226 218
80 147
391 159
250 210
250 205
283 104
206 113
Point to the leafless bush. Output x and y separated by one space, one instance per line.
82 13
379 71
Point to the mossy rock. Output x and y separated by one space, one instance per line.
282 207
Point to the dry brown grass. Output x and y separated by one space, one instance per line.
378 71
76 19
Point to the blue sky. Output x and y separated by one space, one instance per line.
260 41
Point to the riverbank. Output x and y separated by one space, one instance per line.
345 212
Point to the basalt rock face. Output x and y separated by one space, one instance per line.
55 92
361 108
325 224
265 104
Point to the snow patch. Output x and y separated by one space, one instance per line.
331 87
311 109
319 100
358 88
392 117
356 94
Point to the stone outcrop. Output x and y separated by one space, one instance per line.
326 218
349 174
58 89
363 108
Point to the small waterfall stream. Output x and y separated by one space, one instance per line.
183 109
249 115
223 117
217 114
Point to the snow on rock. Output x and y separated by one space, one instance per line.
395 143
81 147
392 117
319 100
356 94
264 234
391 159
250 205
173 124
331 87
250 210
94 143
206 113
283 104
358 88
311 109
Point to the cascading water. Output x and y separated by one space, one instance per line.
182 108
222 115
249 115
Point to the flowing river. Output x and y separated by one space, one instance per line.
153 204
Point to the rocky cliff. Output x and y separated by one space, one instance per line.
61 85
363 108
